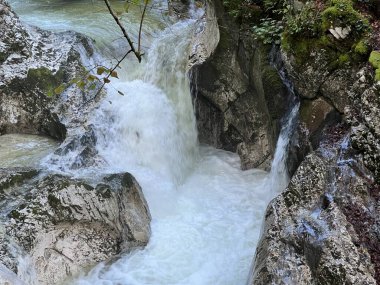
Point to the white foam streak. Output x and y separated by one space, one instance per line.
278 177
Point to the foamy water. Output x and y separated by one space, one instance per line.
206 212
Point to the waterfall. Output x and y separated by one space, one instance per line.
153 123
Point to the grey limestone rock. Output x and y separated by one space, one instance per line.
66 226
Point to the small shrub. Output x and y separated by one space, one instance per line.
269 31
246 10
306 23
277 7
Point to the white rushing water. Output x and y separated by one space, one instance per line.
206 212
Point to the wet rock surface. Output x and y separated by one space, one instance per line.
65 226
10 177
33 64
324 229
350 91
239 97
313 231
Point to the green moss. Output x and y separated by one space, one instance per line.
324 40
374 59
361 47
377 74
343 59
342 14
44 79
272 82
299 47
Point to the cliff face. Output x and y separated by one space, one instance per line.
347 94
239 98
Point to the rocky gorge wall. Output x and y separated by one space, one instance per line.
324 229
239 98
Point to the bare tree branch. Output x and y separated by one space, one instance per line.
141 23
137 53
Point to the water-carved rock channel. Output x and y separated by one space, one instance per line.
165 176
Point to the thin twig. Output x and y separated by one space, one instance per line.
141 23
137 53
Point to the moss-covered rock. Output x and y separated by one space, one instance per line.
10 177
374 59
44 79
341 13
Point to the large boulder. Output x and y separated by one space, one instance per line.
239 97
65 226
33 64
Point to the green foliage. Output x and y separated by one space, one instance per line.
342 14
278 7
87 80
243 10
306 23
269 31
306 31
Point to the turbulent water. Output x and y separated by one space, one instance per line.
24 150
206 212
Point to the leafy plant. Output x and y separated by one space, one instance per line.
88 80
307 22
243 10
269 31
278 7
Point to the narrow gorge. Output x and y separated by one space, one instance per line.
244 148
